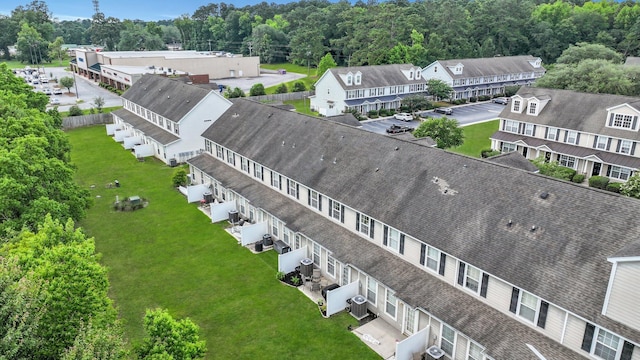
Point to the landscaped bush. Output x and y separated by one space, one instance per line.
75 111
372 113
282 89
578 178
614 187
383 112
299 86
473 99
489 152
484 97
599 182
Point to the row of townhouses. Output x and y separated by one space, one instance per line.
595 134
479 259
366 88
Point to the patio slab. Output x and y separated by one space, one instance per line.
380 336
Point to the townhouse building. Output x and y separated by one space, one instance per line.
485 76
164 118
595 134
479 259
366 88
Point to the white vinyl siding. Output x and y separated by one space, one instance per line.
624 294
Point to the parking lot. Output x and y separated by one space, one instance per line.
465 114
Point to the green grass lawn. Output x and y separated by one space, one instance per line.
15 64
170 255
308 81
476 138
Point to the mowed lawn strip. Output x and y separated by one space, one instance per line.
170 255
476 138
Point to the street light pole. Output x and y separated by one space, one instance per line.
75 83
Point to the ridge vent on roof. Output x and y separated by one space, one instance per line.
322 157
510 223
335 160
533 228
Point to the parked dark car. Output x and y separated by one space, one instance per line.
397 129
444 110
501 100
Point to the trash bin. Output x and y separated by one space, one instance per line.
267 240
258 246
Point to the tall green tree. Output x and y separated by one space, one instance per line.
582 51
439 89
105 31
32 48
444 131
325 64
136 37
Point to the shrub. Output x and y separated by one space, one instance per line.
257 90
280 275
599 182
473 99
179 177
489 152
578 178
282 89
614 187
383 112
299 86
75 111
372 113
484 97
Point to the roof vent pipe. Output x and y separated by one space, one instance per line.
533 228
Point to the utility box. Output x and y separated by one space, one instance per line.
267 240
281 247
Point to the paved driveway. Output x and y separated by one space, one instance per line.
87 91
465 114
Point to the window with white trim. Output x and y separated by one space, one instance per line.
447 339
511 126
625 147
349 79
336 210
346 275
528 306
331 266
316 254
472 278
552 133
297 242
286 236
365 223
314 199
257 171
618 172
276 180
475 352
606 345
207 146
508 147
219 152
533 108
393 239
528 129
433 258
275 226
515 106
622 121
358 79
391 303
292 188
568 161
572 137
372 290
244 164
601 142
230 158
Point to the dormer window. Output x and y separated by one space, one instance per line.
418 75
533 108
411 75
516 105
358 79
623 121
349 79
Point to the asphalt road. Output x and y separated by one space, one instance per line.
465 114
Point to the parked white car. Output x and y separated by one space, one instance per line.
57 91
403 116
54 101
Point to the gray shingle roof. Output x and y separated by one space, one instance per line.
632 61
390 179
515 160
377 75
157 133
169 98
491 66
576 111
504 337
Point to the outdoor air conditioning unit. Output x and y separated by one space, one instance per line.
359 307
306 267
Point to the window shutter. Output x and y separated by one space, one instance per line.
288 187
608 170
423 253
557 134
577 138
609 144
309 197
588 337
557 157
546 132
485 283
402 244
461 273
618 145
280 182
635 122
542 317
342 214
357 221
385 235
298 191
627 351
533 133
330 208
521 128
443 263
611 119
595 141
319 202
514 299
371 226
633 148
566 134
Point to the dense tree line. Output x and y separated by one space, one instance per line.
364 33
